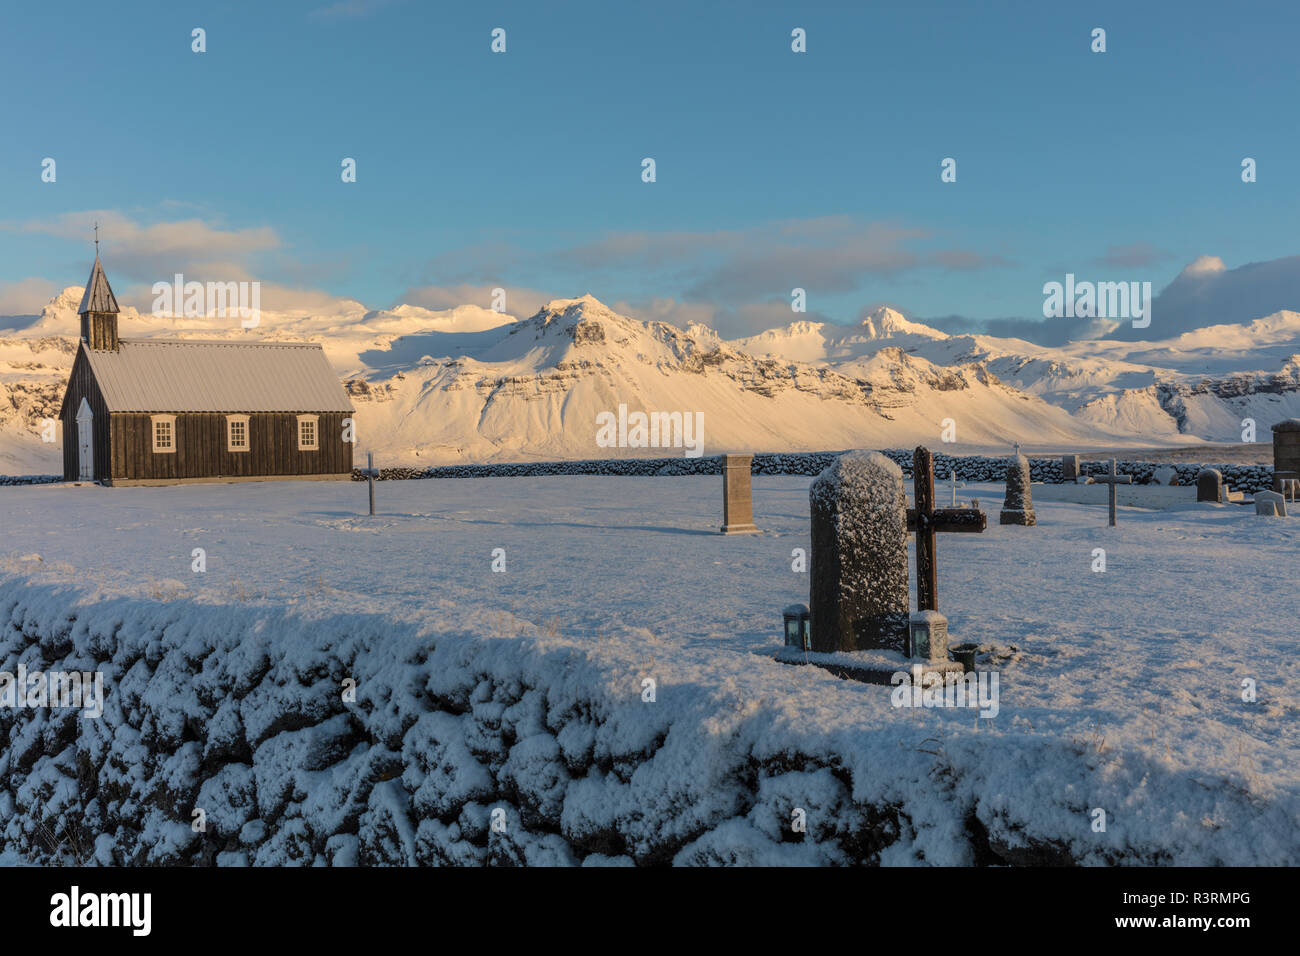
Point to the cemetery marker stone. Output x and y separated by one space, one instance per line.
737 498
1167 476
1209 485
953 484
1286 447
1270 503
1018 508
858 568
1069 467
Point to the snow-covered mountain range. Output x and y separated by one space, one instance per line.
471 384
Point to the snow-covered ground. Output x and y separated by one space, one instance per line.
1119 690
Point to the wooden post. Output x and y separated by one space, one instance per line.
370 478
927 584
926 521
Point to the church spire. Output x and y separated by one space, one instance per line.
98 309
99 294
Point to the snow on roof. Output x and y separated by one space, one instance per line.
162 375
99 294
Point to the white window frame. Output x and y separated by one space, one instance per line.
170 422
315 432
231 422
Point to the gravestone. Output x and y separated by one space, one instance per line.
953 484
1270 503
1209 485
858 566
1018 508
1069 468
1286 446
737 498
1114 479
1166 475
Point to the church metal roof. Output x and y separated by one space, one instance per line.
166 375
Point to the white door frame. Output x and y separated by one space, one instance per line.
85 442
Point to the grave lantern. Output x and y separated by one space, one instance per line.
928 636
798 633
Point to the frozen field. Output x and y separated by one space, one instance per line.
1138 670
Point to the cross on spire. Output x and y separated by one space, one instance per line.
96 240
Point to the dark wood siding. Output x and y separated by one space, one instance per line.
81 384
201 447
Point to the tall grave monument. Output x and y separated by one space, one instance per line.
858 570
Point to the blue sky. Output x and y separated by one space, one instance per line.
523 169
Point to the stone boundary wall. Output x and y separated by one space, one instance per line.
971 468
236 710
30 479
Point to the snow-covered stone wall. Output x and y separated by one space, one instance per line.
29 479
971 468
475 738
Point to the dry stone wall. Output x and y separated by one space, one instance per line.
970 468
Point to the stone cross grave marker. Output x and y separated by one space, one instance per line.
953 483
1018 508
737 497
925 520
1114 480
858 568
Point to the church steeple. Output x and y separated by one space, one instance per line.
98 310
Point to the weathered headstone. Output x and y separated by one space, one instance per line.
1286 446
1166 475
858 567
1069 467
1114 479
1270 503
1018 507
737 497
1209 485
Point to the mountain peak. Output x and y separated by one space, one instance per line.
887 323
587 305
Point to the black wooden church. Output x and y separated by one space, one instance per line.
157 411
